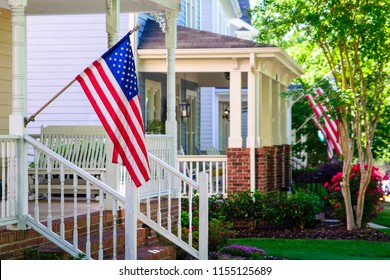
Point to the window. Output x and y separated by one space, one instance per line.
191 13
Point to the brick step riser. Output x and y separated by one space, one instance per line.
13 243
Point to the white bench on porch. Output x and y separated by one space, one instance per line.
82 145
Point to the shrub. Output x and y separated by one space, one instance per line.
302 208
219 233
271 209
373 195
220 230
239 206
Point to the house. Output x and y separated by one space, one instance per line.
174 64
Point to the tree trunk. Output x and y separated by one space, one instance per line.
351 225
365 177
360 209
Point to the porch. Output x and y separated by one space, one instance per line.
56 216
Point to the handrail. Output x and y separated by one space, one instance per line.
206 158
9 137
174 171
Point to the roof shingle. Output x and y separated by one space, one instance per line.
188 38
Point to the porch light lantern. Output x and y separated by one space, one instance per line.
185 109
226 114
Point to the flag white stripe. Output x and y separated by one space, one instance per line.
324 110
318 112
110 120
138 127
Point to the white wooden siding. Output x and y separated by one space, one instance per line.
206 118
207 15
58 49
5 69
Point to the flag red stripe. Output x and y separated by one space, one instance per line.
324 111
106 126
331 134
122 106
117 120
120 149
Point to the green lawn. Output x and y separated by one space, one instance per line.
384 216
299 249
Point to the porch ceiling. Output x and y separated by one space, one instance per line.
47 7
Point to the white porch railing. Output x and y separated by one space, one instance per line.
214 166
8 179
160 207
160 146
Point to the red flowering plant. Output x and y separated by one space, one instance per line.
373 198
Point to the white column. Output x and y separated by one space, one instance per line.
112 29
170 44
112 21
235 104
253 139
19 97
266 111
285 119
276 113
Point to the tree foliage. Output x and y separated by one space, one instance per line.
354 39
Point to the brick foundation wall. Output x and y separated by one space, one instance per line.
280 167
287 166
261 169
238 166
271 168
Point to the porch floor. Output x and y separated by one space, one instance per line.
56 208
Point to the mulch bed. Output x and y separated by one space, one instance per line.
323 230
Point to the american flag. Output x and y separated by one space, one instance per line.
329 127
329 145
110 84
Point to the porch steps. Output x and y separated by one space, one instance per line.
149 247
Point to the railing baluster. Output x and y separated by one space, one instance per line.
3 179
75 226
169 218
8 182
216 177
36 185
190 192
62 223
101 198
210 172
114 231
224 178
49 211
179 211
159 196
13 178
88 243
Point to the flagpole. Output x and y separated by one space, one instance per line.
32 117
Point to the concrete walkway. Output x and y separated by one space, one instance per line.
372 225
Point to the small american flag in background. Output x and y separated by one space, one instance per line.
329 127
110 84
